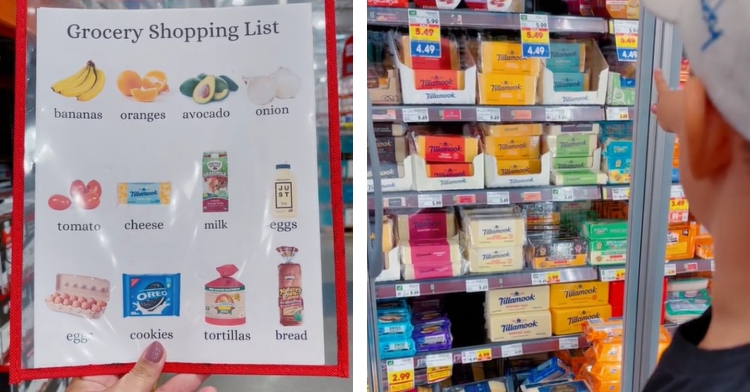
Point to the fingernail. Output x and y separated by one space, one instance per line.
154 352
653 108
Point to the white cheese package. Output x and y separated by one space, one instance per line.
484 228
141 243
519 326
491 260
518 299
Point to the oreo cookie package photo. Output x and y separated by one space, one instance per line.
151 295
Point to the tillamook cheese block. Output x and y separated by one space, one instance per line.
569 321
519 326
571 145
507 58
428 224
512 147
495 259
504 89
448 149
566 57
431 270
495 230
511 129
577 128
430 251
518 167
442 170
571 295
514 300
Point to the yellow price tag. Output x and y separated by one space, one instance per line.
626 41
400 374
553 277
439 373
620 274
678 204
424 33
439 367
484 355
534 36
678 210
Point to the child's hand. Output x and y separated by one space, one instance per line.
669 107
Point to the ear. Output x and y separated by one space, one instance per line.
706 134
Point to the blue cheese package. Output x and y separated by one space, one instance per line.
394 322
550 370
392 347
573 386
151 295
503 384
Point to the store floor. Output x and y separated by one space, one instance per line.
304 384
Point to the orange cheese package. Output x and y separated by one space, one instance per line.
681 241
606 372
515 167
704 248
568 321
582 294
600 329
439 170
505 57
446 148
605 351
513 147
511 129
503 89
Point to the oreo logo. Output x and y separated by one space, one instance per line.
152 297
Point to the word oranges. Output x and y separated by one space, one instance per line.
142 89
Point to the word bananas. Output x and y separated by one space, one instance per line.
84 85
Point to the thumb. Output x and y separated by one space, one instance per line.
146 372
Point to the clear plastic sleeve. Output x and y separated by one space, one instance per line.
170 174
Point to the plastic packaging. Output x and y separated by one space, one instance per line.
129 235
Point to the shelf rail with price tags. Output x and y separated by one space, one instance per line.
626 39
535 36
424 33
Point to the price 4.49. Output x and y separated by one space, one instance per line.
535 51
425 49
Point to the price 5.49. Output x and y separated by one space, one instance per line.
534 35
424 32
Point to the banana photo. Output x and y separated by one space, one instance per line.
84 85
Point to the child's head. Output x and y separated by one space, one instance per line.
711 116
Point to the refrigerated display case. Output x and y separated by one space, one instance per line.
488 238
